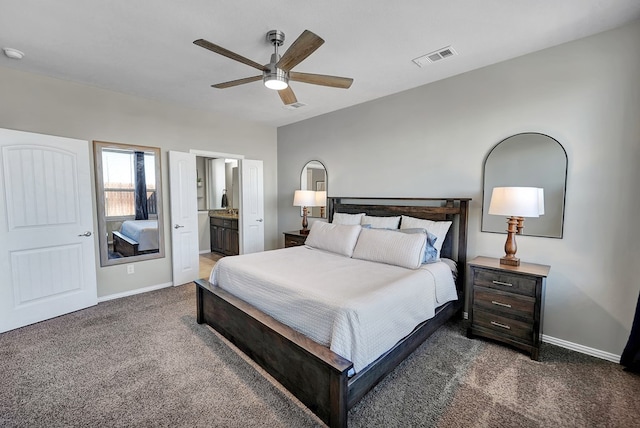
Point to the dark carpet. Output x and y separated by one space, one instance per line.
144 361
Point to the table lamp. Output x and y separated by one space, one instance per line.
304 199
516 203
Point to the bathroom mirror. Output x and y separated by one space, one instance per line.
129 202
528 160
218 186
314 177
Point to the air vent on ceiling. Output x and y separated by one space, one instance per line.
434 56
294 106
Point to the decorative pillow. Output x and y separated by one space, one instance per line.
342 218
390 247
438 228
381 222
430 252
336 238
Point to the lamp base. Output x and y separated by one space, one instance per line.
510 261
304 231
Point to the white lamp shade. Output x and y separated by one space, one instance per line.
304 198
321 198
541 201
515 201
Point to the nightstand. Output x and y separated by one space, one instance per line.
294 238
507 302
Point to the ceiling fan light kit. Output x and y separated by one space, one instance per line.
277 80
277 73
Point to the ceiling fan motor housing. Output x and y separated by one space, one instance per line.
275 37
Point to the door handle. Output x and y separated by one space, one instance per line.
87 233
260 220
177 226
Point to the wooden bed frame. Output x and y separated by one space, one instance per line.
128 247
311 372
124 245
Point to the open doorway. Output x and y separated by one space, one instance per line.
248 221
218 209
218 193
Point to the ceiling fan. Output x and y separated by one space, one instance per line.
277 73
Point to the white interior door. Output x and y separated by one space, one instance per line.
184 217
251 206
47 250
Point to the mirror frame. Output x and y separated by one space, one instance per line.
326 179
555 201
103 240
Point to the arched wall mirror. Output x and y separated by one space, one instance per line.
314 177
129 202
528 160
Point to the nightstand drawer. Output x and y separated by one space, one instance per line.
504 325
504 281
500 302
294 239
293 242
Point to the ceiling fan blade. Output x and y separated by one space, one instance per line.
225 52
321 79
287 96
236 82
304 46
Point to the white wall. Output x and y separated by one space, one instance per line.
432 141
30 102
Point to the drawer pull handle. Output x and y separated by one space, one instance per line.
506 305
506 284
497 324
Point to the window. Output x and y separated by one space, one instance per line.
119 182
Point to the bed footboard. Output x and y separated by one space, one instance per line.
313 373
124 245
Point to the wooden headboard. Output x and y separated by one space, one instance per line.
436 209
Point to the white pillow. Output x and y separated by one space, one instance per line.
390 247
438 228
337 238
381 222
342 218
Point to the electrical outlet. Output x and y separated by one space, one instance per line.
130 269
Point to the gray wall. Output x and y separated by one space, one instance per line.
432 141
30 102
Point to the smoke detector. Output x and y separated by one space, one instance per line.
435 56
13 53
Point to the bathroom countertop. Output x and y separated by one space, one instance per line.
223 214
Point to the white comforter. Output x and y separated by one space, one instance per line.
357 308
144 232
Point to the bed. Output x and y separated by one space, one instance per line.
136 237
322 379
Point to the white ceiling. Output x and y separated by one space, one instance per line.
145 47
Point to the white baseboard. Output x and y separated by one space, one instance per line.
582 349
204 251
134 292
